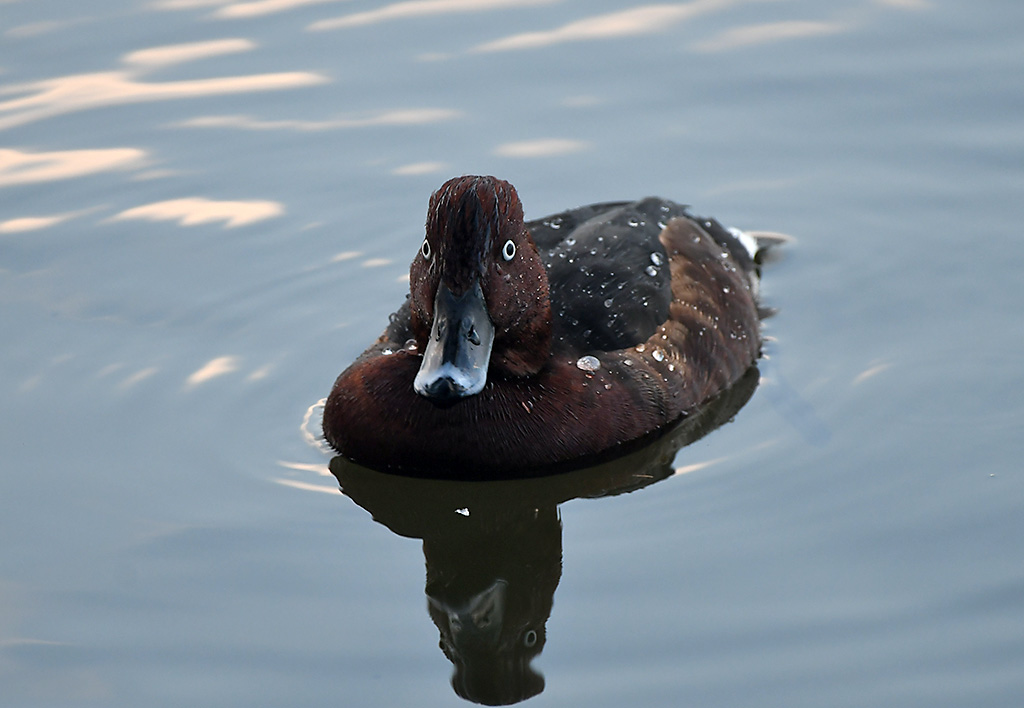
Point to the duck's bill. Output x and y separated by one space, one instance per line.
456 356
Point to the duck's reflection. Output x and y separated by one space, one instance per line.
493 550
489 591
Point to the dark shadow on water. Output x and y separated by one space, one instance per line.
494 549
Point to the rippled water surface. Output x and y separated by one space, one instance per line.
207 210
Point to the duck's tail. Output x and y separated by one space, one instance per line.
761 245
751 249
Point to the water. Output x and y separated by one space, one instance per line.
207 212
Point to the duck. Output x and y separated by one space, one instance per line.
524 346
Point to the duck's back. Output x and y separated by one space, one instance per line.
609 272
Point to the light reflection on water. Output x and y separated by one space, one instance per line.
17 167
207 209
68 94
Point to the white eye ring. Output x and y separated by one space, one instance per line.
508 251
425 249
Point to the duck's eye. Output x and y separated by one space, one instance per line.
425 250
508 251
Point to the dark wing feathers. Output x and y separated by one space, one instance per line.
608 272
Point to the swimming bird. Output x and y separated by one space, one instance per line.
523 345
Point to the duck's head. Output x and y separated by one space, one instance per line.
479 292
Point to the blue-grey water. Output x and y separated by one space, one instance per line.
207 210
